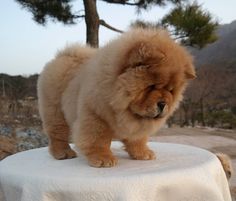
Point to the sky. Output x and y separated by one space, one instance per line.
26 46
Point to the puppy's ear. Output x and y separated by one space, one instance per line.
190 72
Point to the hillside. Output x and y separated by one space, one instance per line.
222 53
18 87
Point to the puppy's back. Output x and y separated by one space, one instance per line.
55 78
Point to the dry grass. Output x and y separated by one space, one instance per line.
19 113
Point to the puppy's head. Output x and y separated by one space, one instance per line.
152 75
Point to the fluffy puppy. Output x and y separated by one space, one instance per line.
125 90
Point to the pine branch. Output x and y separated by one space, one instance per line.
79 16
103 23
178 37
123 2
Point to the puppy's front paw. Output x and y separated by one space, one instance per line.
62 153
146 154
104 160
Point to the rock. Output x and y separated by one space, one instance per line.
30 138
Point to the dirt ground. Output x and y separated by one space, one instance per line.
214 140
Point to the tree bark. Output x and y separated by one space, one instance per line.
92 22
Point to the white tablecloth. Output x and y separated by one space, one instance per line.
180 173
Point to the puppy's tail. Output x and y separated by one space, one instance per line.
226 163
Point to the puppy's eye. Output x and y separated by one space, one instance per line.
170 89
139 63
152 87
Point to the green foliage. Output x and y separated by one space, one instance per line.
61 10
234 110
191 24
221 118
56 10
144 4
143 24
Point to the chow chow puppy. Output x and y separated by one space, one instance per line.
125 90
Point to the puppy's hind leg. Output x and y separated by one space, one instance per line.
58 132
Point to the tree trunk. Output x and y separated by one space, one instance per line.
185 106
193 118
92 22
202 112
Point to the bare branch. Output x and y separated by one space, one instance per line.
103 23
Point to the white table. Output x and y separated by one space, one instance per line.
180 173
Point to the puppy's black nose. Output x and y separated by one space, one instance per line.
161 105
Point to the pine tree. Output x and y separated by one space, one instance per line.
61 10
191 25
